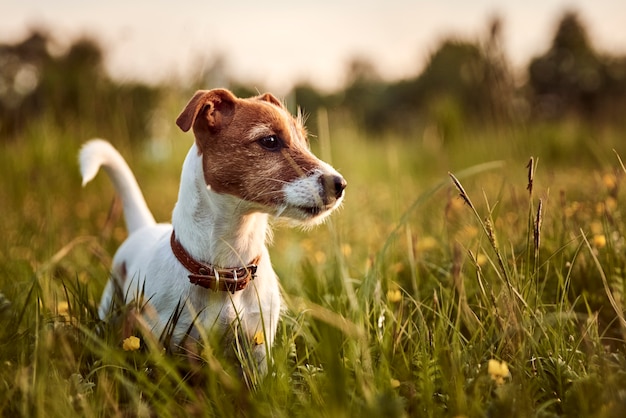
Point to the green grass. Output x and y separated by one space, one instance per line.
394 307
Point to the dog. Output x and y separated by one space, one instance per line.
210 268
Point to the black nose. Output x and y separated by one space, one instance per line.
333 185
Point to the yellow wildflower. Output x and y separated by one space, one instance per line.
63 310
481 259
131 343
320 257
609 180
259 338
394 296
395 383
498 370
599 241
610 204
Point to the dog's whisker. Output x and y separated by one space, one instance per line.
280 181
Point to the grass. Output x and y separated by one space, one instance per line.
428 294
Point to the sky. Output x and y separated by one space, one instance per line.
278 43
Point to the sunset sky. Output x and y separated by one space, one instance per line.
277 43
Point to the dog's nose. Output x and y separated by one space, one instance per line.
340 185
334 185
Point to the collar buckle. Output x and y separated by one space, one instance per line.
212 277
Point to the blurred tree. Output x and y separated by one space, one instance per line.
614 92
573 78
308 100
362 93
501 84
20 74
71 90
461 83
241 89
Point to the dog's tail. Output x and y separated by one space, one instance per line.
99 153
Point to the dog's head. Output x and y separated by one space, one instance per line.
255 150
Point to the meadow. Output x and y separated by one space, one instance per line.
480 276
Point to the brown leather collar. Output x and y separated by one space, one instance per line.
211 277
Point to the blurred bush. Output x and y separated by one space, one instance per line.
71 90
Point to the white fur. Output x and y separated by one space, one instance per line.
100 153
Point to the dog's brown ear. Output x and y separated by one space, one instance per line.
268 97
215 107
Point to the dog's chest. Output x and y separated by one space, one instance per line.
245 308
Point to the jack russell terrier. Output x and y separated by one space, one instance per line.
210 269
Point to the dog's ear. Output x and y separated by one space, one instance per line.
213 107
268 97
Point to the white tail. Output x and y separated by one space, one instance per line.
99 153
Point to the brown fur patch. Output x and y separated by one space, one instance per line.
234 162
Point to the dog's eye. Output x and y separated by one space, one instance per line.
271 143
